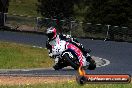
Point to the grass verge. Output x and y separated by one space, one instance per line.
70 84
14 56
24 7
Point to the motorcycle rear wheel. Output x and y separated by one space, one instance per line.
73 62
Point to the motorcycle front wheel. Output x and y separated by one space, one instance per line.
92 64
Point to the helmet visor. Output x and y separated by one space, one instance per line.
50 35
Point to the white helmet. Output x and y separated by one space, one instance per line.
51 33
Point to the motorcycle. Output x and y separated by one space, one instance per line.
67 54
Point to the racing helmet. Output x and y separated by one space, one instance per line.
51 33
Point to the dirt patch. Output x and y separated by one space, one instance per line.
10 80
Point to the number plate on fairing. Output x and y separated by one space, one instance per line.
58 46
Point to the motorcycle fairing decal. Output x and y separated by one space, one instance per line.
54 30
78 53
69 53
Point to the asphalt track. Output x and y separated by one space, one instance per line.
118 53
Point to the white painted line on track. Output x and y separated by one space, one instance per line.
37 47
101 61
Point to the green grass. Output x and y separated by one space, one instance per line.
23 7
14 55
70 85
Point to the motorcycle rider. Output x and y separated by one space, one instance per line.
52 36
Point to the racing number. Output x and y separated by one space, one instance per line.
58 50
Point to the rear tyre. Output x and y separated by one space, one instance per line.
73 61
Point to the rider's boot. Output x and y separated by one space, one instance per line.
56 60
57 66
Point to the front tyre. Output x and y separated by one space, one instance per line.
92 64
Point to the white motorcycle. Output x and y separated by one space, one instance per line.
67 54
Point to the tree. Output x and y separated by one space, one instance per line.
114 12
56 8
4 6
3 9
